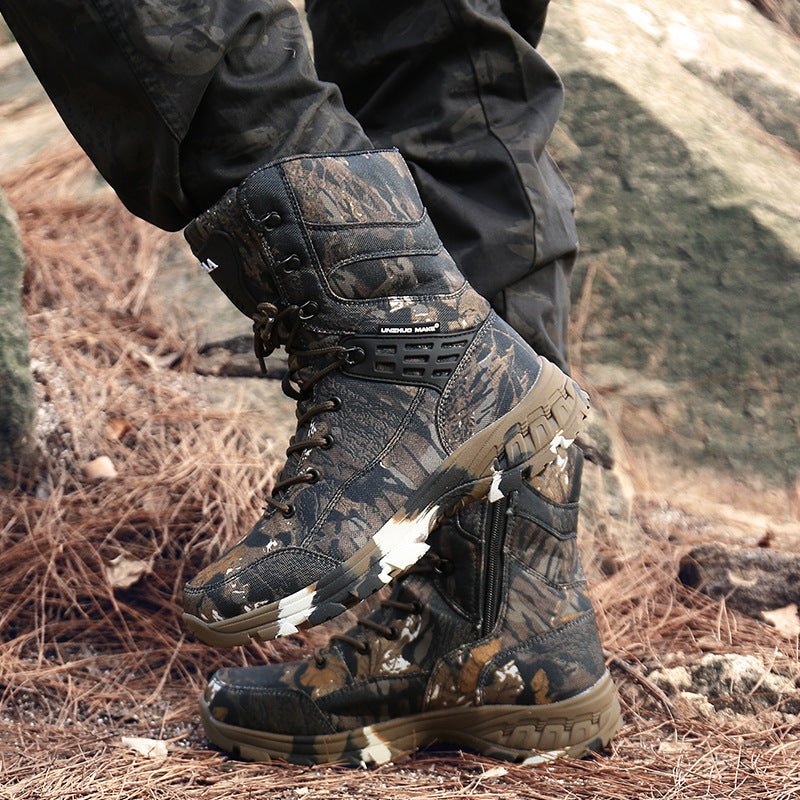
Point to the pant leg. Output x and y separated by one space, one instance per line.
465 96
175 102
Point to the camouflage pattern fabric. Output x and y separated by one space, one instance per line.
413 397
177 102
498 655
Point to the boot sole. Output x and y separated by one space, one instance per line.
528 734
489 464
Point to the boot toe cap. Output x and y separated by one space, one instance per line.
263 699
221 592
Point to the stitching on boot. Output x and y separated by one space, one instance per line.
463 364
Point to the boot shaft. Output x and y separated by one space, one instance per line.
413 396
348 230
525 593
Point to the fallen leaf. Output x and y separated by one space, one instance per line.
116 428
151 748
494 772
785 619
99 469
674 748
123 571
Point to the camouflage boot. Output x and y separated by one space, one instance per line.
413 396
488 643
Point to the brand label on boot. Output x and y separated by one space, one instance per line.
405 329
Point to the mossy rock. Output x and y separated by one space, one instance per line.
17 444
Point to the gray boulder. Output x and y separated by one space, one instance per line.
680 136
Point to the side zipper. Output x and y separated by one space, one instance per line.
493 565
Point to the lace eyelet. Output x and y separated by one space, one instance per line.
289 511
290 263
354 355
337 403
313 474
417 607
271 221
328 441
444 567
321 662
309 309
364 649
391 636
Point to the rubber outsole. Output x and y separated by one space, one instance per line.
490 464
570 728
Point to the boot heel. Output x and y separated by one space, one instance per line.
537 734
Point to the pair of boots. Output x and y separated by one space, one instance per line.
434 447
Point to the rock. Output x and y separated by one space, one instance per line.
729 685
752 580
17 442
607 531
99 469
680 138
29 125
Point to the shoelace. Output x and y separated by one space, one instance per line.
273 327
430 563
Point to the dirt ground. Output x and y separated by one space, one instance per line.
93 654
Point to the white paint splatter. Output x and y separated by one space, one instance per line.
494 490
402 542
394 664
376 749
559 445
294 609
286 628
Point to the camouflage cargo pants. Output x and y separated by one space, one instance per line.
175 102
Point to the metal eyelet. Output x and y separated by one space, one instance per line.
337 403
309 309
289 511
328 441
354 355
271 221
364 649
290 263
313 474
444 567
